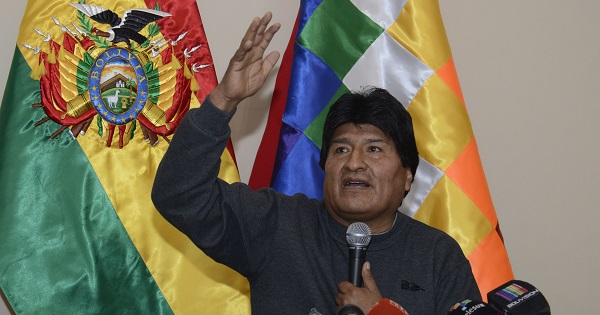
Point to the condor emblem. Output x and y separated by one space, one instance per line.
123 73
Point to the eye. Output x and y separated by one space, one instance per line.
374 149
341 150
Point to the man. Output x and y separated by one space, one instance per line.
293 249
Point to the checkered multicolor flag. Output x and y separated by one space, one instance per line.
400 45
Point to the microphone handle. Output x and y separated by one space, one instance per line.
357 258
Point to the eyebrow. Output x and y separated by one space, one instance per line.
368 140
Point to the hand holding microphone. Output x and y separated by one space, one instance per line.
365 297
358 237
352 298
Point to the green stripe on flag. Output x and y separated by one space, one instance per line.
64 249
349 34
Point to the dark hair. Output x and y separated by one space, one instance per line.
377 107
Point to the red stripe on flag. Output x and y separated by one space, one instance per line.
262 171
206 77
188 19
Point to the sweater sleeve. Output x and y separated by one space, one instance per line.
456 282
226 221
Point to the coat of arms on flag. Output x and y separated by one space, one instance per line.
121 79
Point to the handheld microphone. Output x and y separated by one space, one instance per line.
518 297
350 309
469 307
358 237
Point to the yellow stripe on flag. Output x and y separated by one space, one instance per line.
442 127
419 28
447 208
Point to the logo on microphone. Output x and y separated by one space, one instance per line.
515 294
525 297
512 292
467 307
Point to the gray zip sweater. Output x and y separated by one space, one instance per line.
292 252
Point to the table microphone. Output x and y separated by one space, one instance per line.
469 307
358 237
518 297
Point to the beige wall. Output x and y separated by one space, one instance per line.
529 71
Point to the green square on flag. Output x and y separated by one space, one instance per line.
339 34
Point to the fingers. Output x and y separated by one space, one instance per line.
251 31
264 22
247 41
248 68
343 288
364 298
270 62
368 280
241 53
268 36
256 29
367 275
360 297
258 35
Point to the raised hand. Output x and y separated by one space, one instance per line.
248 69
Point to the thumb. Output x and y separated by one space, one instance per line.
271 60
368 280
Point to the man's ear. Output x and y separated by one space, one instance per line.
409 179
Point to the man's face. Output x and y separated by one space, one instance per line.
364 177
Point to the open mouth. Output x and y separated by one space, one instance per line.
355 183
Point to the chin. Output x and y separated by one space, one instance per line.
355 216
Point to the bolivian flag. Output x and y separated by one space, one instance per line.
399 45
95 92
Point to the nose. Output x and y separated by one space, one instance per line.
355 161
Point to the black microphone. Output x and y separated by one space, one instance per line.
518 297
469 307
350 309
358 237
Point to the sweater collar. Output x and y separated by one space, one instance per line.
379 241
